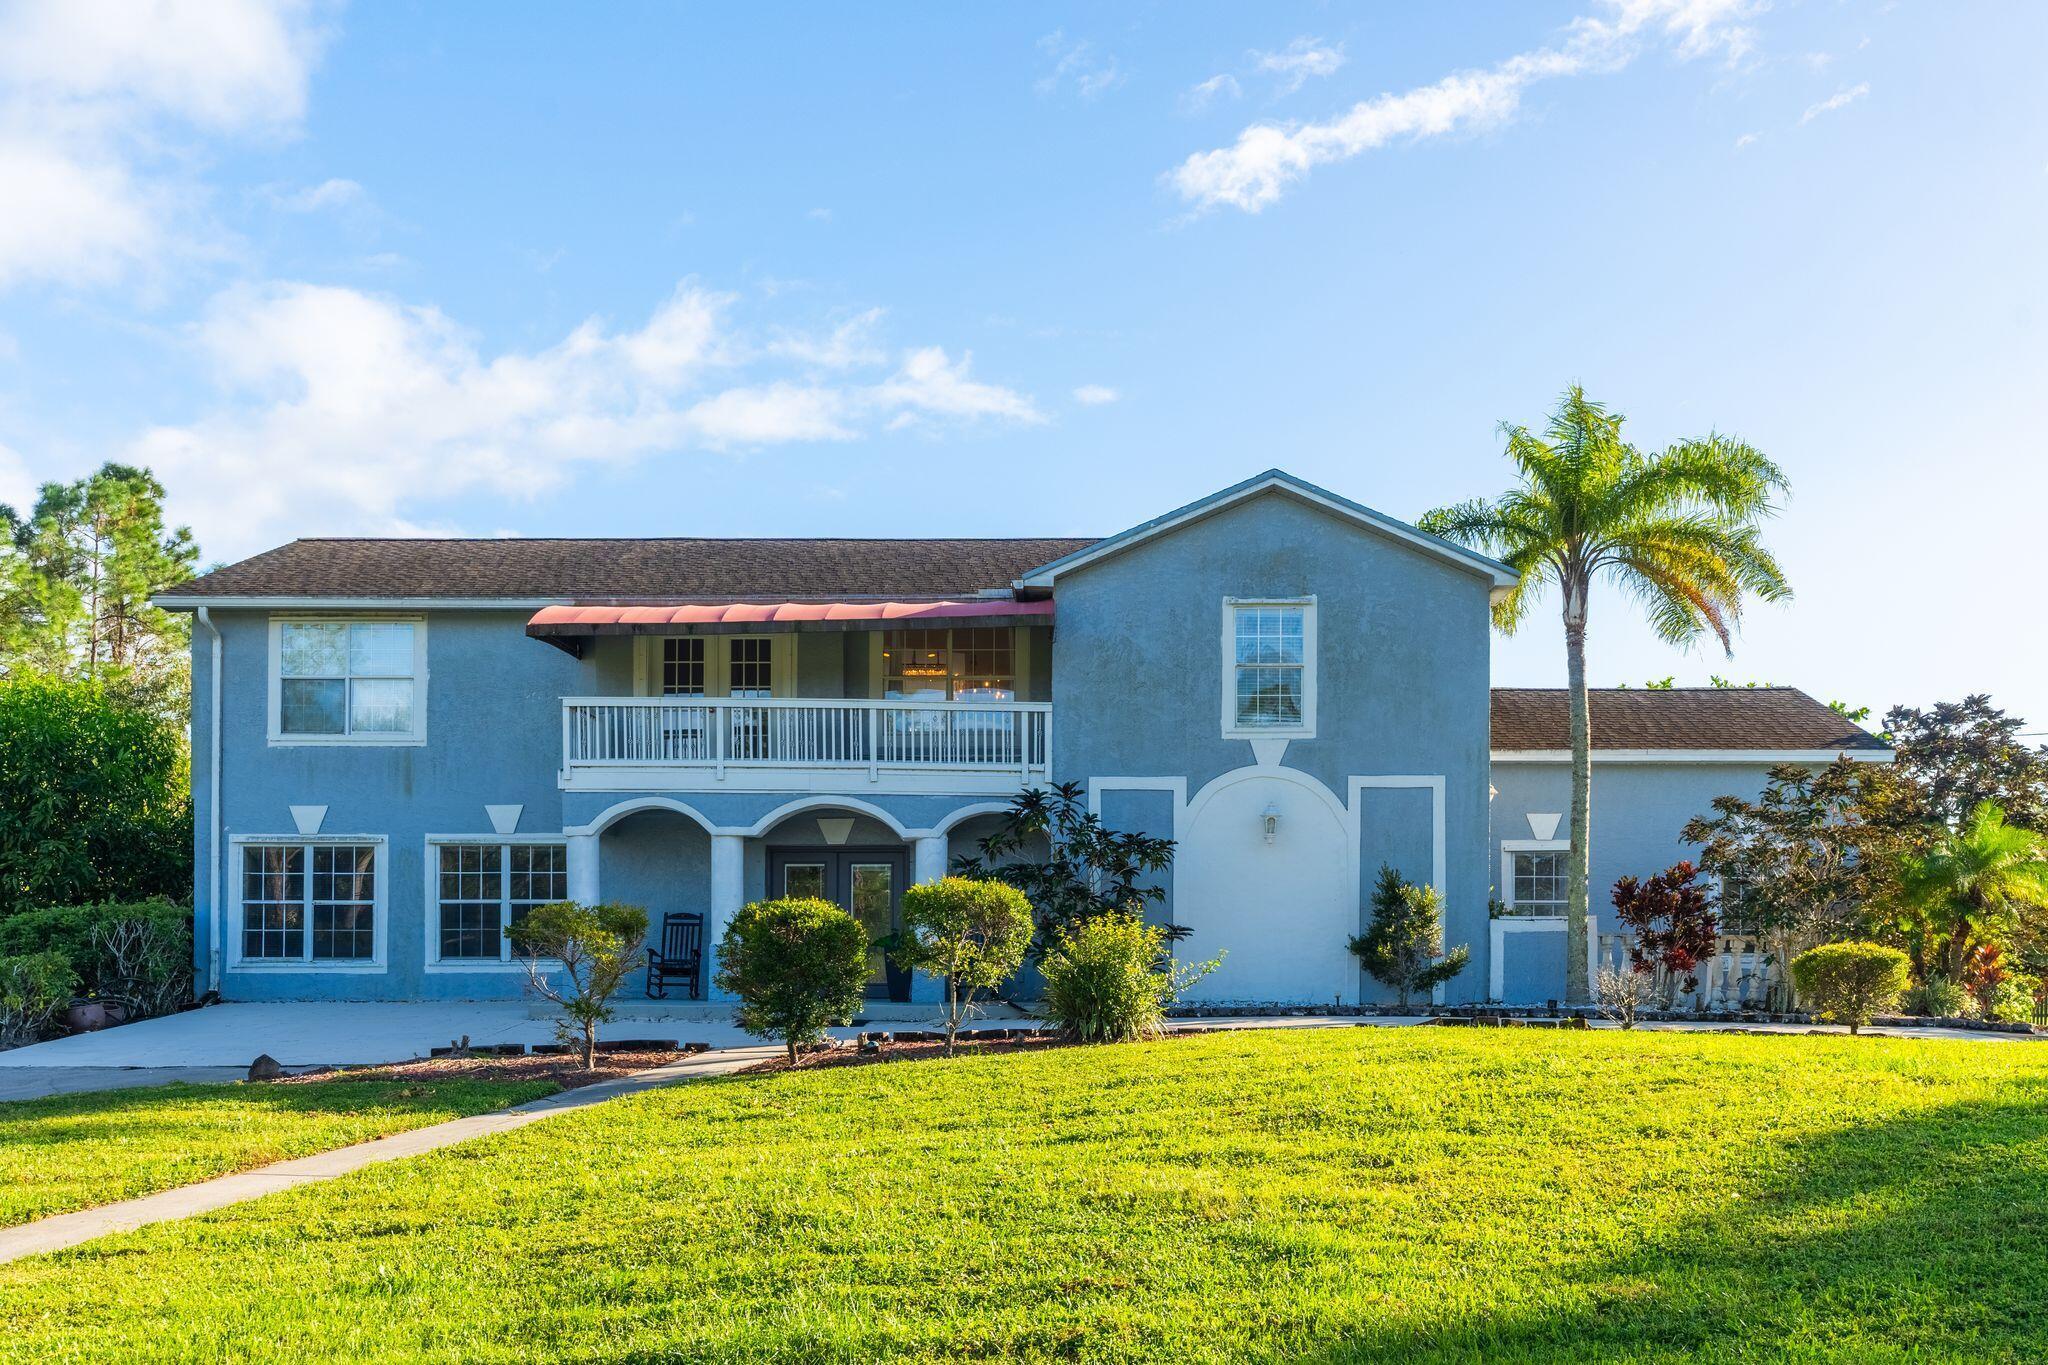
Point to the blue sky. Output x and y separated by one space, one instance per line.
1044 269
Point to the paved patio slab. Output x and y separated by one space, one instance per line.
36 1082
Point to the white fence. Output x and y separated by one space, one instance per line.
1743 973
794 732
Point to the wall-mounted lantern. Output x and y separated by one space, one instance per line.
1270 823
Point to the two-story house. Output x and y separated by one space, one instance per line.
401 745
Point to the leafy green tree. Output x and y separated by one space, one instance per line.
94 797
1951 758
797 965
1676 530
1403 947
578 956
1089 869
974 933
1851 981
77 580
1969 890
1792 863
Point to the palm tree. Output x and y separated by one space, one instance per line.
1969 889
1676 530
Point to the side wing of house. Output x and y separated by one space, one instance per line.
1295 690
1660 757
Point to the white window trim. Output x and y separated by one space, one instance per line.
380 904
430 905
1307 728
279 739
1508 849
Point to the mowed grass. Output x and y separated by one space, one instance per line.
72 1152
1352 1194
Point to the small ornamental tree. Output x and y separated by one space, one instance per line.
1089 869
1403 947
1671 925
1850 982
1622 993
972 932
578 956
797 966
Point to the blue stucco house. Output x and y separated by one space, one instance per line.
399 745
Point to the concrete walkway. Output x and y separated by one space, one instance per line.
36 1082
69 1229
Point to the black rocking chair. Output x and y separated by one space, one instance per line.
679 959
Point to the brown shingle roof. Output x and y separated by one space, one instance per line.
630 570
1675 718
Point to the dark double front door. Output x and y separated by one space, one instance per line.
866 882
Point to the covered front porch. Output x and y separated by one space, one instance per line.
709 856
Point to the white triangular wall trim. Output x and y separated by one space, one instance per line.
504 819
835 828
308 819
1544 826
1267 753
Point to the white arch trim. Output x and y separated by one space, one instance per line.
1294 777
802 804
966 813
633 807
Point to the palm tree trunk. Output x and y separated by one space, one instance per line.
1579 867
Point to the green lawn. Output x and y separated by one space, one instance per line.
74 1151
1343 1195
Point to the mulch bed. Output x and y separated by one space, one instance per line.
565 1071
872 1048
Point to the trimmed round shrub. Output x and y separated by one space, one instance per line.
1850 982
1109 979
797 965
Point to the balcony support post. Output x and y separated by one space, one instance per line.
728 893
582 868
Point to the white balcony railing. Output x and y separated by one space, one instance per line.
877 737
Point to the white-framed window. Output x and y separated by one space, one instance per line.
971 663
1269 668
1535 876
742 666
309 903
336 680
480 886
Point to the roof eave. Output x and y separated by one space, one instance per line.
1501 577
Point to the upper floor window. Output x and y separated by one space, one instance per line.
1537 881
334 681
1269 653
723 665
970 664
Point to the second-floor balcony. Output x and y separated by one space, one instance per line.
803 744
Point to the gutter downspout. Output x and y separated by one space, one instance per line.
213 911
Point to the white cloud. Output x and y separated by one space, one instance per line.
347 411
93 97
1301 61
1746 140
328 194
1095 395
1076 61
1267 158
1840 99
1220 85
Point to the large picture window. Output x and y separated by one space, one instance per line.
309 902
970 664
340 681
1269 668
484 889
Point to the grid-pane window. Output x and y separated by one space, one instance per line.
274 902
344 679
309 902
1270 660
472 883
985 664
486 889
1539 883
682 667
751 668
344 902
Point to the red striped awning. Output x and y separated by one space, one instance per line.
653 618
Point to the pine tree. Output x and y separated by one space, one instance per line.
1404 945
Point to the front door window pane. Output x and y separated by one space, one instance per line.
874 906
804 880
